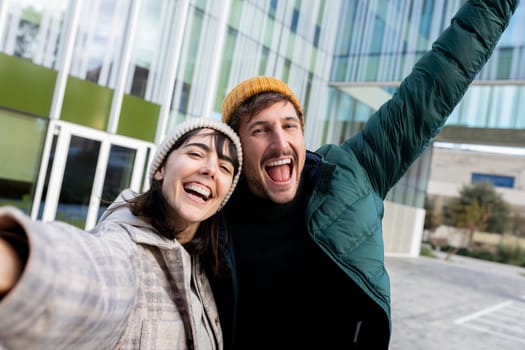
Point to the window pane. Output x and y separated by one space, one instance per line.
78 179
118 175
151 44
99 41
33 29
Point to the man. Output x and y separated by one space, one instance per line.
306 239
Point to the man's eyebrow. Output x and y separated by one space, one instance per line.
283 119
294 117
257 123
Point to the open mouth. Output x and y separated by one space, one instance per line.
279 170
198 190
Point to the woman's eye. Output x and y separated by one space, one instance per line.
195 154
226 168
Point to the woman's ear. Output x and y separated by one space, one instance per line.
159 174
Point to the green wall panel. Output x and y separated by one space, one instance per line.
20 160
138 118
26 86
86 103
29 87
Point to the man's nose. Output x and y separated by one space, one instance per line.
279 139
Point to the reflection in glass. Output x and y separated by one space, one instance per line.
99 41
78 179
151 41
33 30
118 175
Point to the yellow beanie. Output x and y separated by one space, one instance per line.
254 86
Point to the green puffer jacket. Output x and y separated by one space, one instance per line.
346 207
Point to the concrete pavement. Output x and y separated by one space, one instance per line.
460 304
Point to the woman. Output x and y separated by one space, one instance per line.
138 279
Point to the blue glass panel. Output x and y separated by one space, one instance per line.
496 180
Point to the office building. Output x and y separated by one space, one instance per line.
90 86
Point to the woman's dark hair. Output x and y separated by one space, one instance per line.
152 206
257 103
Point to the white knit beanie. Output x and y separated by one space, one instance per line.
187 126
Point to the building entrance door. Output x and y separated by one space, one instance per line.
86 170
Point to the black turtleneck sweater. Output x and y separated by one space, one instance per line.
291 295
271 250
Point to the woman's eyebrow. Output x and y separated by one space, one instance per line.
227 158
207 148
204 146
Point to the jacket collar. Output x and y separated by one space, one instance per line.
139 230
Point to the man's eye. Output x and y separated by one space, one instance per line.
259 131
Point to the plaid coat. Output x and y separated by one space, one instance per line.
119 286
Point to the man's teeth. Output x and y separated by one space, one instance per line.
280 162
199 189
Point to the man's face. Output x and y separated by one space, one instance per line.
274 152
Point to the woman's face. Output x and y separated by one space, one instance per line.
195 180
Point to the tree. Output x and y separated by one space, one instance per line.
479 207
517 225
432 215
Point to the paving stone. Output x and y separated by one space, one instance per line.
459 304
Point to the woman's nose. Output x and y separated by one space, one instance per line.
210 168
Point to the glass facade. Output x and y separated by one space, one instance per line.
135 68
378 44
99 41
